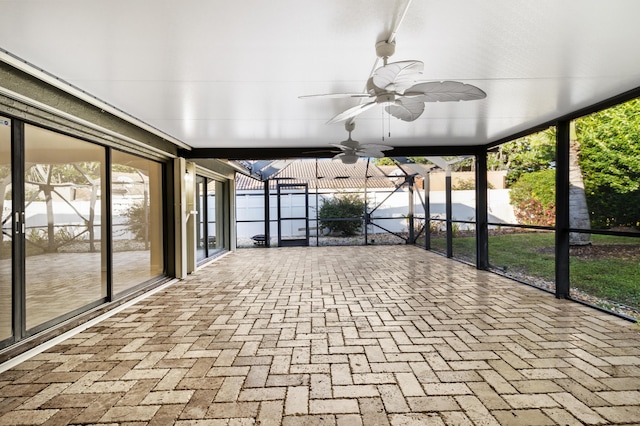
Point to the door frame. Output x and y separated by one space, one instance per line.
293 242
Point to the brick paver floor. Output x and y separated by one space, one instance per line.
337 336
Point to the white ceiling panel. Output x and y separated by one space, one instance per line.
214 73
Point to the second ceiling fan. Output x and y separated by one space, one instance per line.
396 85
350 150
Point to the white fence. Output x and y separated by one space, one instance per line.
390 210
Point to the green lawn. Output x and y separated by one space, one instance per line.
614 276
528 253
610 269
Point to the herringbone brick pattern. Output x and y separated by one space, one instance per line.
337 336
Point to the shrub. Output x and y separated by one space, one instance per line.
468 184
533 197
334 211
464 185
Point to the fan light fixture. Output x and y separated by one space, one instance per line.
349 158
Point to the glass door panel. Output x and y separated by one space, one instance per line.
65 267
201 232
6 258
138 240
213 242
209 237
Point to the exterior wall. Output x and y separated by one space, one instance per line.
26 99
500 209
495 179
24 96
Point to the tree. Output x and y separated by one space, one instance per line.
535 153
524 155
610 162
578 210
387 161
461 164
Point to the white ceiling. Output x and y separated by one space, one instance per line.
214 73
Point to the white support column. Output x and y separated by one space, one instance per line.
191 216
179 205
184 212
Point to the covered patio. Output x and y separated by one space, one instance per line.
336 335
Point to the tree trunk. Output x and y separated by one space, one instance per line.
578 210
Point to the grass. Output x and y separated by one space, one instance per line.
528 253
464 247
613 279
608 274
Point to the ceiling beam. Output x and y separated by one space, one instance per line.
321 152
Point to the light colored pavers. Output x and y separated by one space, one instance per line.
378 335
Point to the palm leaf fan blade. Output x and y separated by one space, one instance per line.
406 109
351 112
444 91
395 74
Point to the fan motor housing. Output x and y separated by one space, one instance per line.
384 49
385 98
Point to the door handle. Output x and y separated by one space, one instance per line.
19 223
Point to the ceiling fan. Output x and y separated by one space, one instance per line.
396 86
351 150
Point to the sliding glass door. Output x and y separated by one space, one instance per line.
82 224
136 192
63 210
209 235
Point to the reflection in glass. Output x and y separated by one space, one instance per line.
65 263
6 236
138 240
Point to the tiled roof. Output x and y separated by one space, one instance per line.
330 174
